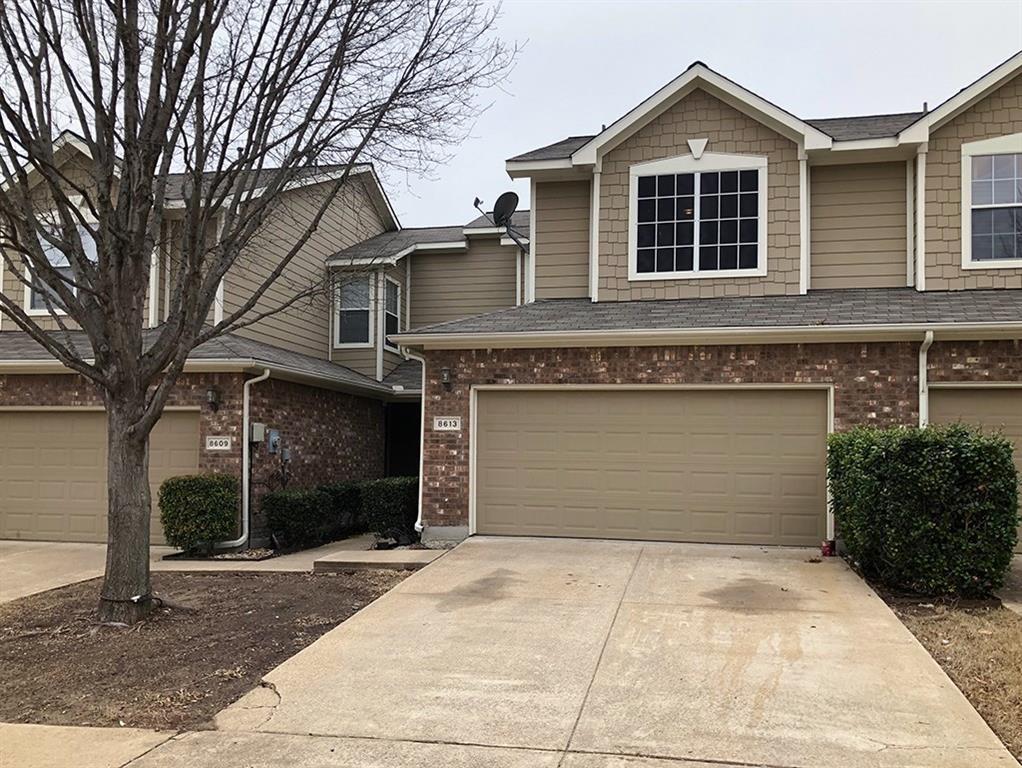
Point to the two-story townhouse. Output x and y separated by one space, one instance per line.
714 285
319 376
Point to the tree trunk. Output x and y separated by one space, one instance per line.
126 587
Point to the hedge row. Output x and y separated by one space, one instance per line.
933 510
300 519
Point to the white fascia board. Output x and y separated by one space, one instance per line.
509 241
962 100
711 336
470 231
518 169
393 258
696 76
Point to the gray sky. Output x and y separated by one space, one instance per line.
585 63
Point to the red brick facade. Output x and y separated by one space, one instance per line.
874 383
332 435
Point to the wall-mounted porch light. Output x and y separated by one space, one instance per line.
445 378
213 399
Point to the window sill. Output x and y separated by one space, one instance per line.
45 313
720 274
354 345
992 264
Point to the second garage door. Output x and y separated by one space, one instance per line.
53 471
727 465
991 408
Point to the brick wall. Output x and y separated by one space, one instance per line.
875 383
700 115
999 114
333 436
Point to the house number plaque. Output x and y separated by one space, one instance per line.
447 423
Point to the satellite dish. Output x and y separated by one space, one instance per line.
504 208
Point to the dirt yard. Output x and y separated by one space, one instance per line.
980 647
179 667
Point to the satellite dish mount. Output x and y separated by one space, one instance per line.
503 211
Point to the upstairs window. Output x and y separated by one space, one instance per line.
41 297
354 310
996 187
700 218
392 312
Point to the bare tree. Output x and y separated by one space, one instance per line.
231 103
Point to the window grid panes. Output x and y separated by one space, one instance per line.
353 312
392 320
58 259
698 222
996 207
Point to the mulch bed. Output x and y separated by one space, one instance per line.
979 645
180 666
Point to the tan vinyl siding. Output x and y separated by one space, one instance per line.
305 326
700 115
561 239
859 234
451 286
999 114
359 358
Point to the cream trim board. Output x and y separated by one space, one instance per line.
530 258
1000 145
376 315
708 163
910 267
473 420
594 236
975 385
920 209
383 306
370 279
805 259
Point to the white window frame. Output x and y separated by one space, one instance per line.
1000 145
386 345
338 344
708 162
46 311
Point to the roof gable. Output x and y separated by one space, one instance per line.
698 75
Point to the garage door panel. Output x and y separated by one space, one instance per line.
53 479
993 409
685 465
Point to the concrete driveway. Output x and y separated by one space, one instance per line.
586 654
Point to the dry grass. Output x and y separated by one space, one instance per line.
980 648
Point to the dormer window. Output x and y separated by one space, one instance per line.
992 203
698 218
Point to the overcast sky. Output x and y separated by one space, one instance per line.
587 62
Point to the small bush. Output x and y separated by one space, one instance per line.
931 510
198 510
345 500
299 518
390 507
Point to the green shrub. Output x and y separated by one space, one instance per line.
198 510
931 510
300 518
345 500
390 507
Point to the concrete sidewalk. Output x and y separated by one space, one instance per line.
53 746
28 567
1011 593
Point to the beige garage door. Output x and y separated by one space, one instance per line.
993 409
740 466
53 471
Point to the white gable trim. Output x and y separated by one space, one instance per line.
962 100
700 76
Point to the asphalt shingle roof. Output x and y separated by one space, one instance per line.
16 345
866 126
408 375
838 128
853 306
391 243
